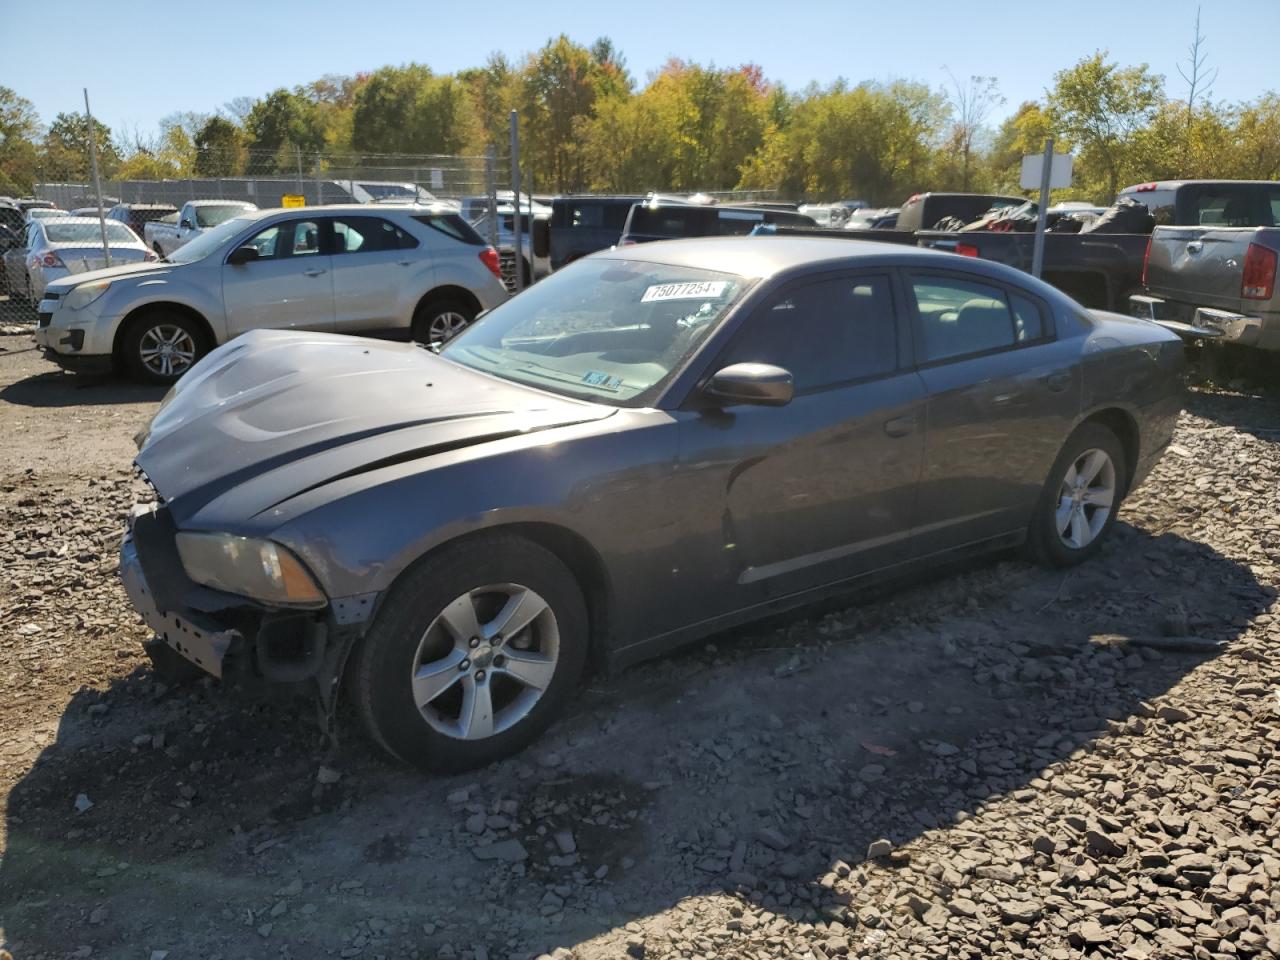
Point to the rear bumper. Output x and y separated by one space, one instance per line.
1208 323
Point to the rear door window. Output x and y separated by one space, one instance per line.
452 225
963 317
368 235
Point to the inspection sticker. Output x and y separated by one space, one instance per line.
596 379
684 291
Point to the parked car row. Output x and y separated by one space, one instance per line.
399 270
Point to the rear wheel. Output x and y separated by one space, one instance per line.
160 347
473 655
436 321
1078 505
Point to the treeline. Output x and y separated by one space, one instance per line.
586 124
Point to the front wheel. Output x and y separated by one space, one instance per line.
475 652
1078 505
160 347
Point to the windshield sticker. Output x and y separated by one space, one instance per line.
684 291
603 381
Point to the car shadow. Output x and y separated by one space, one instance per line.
57 388
756 767
1251 408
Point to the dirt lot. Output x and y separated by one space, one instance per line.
987 763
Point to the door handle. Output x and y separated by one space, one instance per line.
900 426
404 263
314 272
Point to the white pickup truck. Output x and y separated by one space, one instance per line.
196 216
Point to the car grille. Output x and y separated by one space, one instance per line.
507 264
45 319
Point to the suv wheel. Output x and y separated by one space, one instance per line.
160 347
472 656
436 321
1078 505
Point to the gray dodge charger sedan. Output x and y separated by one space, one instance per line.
653 444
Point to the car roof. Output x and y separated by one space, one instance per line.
217 202
1175 184
365 209
766 256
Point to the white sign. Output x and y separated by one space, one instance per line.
437 178
1033 166
684 291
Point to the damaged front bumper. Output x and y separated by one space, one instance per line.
199 640
223 634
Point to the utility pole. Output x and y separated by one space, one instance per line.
1037 257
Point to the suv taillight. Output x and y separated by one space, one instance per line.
1259 280
50 259
489 257
1146 259
966 249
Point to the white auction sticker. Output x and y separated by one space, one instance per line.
684 291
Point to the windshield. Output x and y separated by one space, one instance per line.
606 330
212 216
45 213
89 233
206 243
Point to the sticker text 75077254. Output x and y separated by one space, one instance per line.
692 290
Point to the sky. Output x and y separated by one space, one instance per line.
142 61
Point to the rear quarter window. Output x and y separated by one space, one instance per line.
452 225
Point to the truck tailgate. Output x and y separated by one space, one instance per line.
1203 265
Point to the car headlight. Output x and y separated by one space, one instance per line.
85 294
258 569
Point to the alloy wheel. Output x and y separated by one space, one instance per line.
485 661
445 325
1085 498
167 350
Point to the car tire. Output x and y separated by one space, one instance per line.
439 320
420 687
1078 505
144 342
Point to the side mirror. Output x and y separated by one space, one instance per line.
242 255
187 225
541 237
759 384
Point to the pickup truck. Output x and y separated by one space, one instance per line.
166 235
1212 274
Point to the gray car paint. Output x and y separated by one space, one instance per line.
680 518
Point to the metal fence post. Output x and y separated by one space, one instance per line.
515 189
97 180
491 193
319 184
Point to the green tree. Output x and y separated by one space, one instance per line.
19 158
408 110
490 95
1102 108
279 126
1256 139
65 151
219 146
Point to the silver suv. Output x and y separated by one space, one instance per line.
391 270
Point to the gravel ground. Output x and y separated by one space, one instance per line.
992 762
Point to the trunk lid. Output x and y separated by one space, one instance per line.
82 259
273 413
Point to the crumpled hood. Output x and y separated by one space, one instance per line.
274 413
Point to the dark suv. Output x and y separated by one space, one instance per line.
672 221
582 225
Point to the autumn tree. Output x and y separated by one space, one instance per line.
65 151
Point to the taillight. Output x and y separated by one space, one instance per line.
966 250
1259 281
1146 259
50 259
489 257
1145 187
